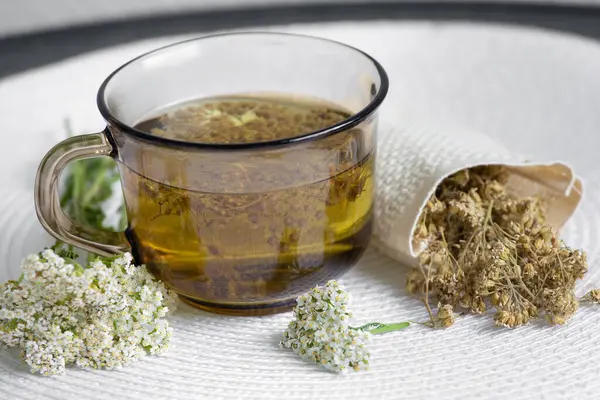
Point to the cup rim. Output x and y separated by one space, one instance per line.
352 121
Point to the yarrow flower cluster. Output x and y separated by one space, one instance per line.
320 330
104 315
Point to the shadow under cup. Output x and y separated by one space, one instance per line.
234 228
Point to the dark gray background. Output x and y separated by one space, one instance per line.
20 52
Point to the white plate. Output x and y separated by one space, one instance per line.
536 91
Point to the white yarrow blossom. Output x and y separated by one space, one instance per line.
104 315
320 331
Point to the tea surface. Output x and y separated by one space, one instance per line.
242 120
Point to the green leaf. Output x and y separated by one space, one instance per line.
135 296
377 327
78 270
11 325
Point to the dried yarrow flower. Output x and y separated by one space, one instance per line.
103 315
486 248
592 296
320 331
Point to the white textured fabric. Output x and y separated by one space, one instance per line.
532 92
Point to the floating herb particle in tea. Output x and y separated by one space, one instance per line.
486 248
169 200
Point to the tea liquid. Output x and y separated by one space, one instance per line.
252 248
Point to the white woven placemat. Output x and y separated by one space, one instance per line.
534 91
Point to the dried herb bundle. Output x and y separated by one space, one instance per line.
487 249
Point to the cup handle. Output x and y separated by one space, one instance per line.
47 203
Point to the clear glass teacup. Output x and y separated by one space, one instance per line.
237 227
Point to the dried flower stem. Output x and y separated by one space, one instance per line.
426 297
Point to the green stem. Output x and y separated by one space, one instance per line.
106 260
78 174
377 327
93 189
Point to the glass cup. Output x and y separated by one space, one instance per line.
239 228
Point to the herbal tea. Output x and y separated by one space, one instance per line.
238 235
